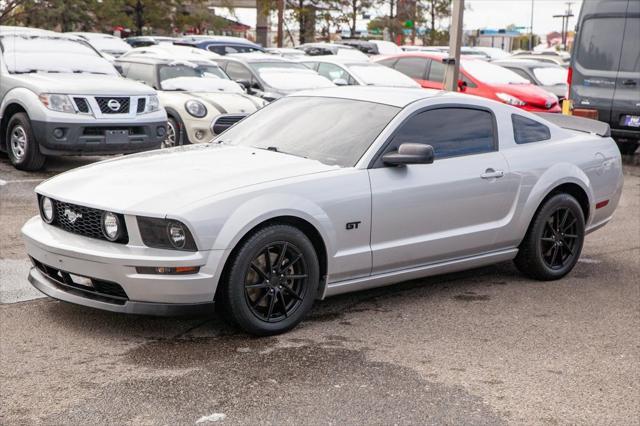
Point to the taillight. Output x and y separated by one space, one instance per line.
569 77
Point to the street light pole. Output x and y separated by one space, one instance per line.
452 63
531 29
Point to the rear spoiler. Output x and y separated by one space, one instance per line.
580 124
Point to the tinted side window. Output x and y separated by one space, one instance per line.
238 72
630 59
388 62
521 73
216 49
333 72
413 67
436 71
450 131
600 42
526 130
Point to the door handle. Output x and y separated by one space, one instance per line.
492 174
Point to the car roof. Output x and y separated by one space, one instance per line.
155 60
525 63
216 39
398 97
255 57
334 59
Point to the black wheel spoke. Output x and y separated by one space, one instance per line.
259 271
566 247
564 220
272 303
291 262
558 248
572 236
267 260
281 256
261 299
555 254
573 220
295 276
284 305
291 292
259 285
547 240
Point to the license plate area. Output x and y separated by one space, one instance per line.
117 136
630 120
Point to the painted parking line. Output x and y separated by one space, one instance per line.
14 286
6 182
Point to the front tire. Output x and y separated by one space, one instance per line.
554 240
22 147
272 281
174 134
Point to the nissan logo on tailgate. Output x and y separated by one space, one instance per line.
113 105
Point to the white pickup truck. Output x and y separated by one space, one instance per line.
58 96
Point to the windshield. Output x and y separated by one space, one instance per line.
293 79
551 76
291 125
37 53
187 69
200 84
491 74
351 53
378 75
109 44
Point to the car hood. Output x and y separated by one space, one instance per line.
160 182
528 93
84 84
221 102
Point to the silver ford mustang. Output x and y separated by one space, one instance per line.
324 193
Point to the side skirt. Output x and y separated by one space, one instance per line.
394 277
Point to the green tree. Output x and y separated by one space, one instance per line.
350 10
434 11
63 15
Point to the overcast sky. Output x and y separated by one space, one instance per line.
494 14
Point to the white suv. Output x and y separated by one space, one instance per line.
58 96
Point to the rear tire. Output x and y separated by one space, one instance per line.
272 281
554 240
22 146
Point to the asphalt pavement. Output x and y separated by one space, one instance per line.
486 346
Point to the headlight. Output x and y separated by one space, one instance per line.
46 209
153 104
511 100
111 227
195 108
61 103
165 234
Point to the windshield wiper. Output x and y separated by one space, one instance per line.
276 149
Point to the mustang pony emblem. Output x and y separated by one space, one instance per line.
72 216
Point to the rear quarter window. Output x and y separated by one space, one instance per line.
526 130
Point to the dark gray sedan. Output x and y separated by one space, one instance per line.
550 77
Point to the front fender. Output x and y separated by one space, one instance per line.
556 175
27 99
260 209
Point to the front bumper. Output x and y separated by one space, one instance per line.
115 264
90 138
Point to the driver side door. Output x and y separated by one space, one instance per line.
452 208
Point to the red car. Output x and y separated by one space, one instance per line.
477 77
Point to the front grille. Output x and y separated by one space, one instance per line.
142 103
106 291
105 102
83 221
223 122
81 104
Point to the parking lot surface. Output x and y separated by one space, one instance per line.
486 346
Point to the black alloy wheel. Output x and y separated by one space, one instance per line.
559 238
271 280
554 240
276 281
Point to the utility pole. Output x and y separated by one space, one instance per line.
455 41
565 23
531 29
280 36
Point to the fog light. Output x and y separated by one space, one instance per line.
46 207
160 131
165 270
199 134
111 226
58 133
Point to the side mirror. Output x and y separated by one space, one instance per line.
409 153
340 82
119 68
462 85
